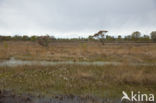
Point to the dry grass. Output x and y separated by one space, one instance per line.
102 81
79 51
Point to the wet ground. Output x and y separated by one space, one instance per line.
14 62
8 97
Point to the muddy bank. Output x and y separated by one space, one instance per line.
9 97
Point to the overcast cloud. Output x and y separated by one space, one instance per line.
73 18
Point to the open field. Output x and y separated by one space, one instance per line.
79 51
77 69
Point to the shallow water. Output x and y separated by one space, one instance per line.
9 97
15 62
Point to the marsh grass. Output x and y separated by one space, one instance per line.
89 51
101 81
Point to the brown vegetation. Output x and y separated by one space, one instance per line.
102 81
79 51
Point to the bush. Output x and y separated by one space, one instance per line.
44 41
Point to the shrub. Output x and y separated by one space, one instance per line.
44 41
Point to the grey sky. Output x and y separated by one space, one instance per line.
73 18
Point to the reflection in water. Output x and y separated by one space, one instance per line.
14 62
12 98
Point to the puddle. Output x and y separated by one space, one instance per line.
15 62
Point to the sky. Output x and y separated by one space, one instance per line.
76 18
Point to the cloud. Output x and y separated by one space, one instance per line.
65 18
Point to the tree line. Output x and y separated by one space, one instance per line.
134 37
101 36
